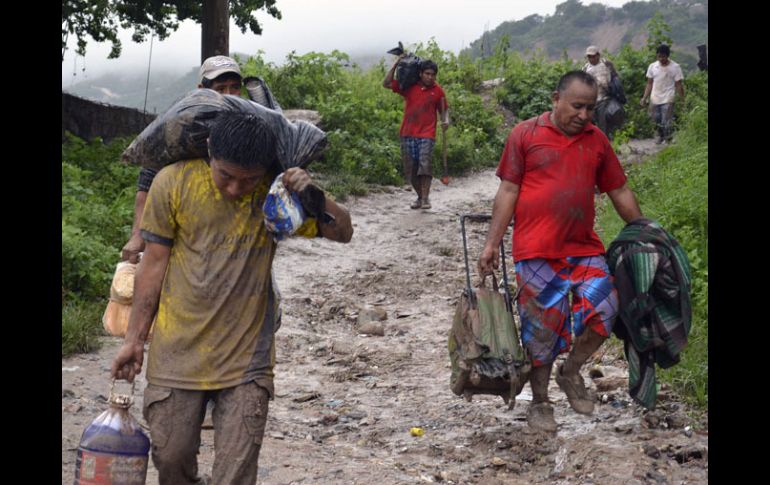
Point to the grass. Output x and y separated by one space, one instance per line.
81 326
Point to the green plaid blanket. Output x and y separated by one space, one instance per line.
652 275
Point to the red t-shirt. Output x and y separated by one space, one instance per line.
554 214
421 104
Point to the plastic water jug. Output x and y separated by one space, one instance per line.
113 449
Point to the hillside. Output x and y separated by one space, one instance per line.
575 25
128 89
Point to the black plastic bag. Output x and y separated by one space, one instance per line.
408 71
615 89
181 132
614 114
397 51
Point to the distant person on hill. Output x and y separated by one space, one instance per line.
548 171
602 70
418 128
664 82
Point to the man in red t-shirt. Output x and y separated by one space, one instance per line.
418 128
549 170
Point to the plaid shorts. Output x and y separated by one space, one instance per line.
418 150
544 289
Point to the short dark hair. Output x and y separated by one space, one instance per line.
207 83
428 64
581 76
663 49
243 139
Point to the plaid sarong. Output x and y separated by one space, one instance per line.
652 275
543 303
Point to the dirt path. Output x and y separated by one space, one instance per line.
346 402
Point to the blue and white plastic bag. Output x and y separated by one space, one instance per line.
283 210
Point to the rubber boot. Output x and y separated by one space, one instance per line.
568 374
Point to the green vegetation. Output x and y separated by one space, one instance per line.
362 118
529 84
672 188
97 212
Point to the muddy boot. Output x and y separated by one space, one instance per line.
568 374
540 417
416 204
540 412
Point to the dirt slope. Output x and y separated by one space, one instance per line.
346 402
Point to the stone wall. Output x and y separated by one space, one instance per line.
89 119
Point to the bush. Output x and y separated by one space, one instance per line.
529 84
97 212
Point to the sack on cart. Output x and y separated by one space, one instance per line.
485 350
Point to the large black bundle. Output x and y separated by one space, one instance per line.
408 71
615 90
181 132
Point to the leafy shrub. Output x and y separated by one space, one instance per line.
97 212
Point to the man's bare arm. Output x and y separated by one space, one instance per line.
502 213
625 203
147 285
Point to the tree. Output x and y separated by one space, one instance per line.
101 19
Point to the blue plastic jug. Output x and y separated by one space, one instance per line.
113 449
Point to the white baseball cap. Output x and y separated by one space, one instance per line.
215 66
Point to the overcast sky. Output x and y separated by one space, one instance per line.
352 26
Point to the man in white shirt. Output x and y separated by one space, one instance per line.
664 82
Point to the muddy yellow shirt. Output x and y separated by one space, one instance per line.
215 324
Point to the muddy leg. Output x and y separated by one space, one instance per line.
538 380
540 412
410 173
568 374
240 415
425 181
584 347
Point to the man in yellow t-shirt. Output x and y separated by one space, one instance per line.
206 271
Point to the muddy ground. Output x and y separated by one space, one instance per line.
346 401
